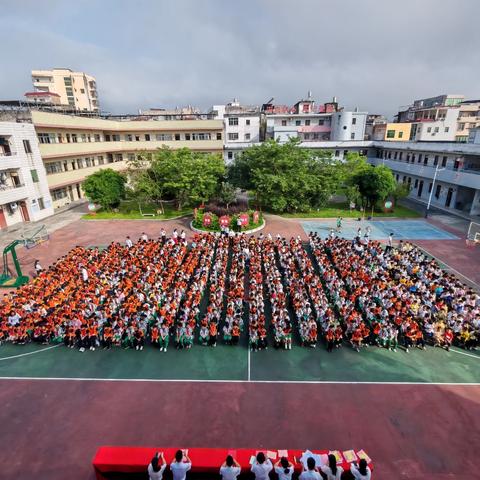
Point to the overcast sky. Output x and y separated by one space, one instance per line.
374 54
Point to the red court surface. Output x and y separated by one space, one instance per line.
51 429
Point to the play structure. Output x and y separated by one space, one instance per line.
13 278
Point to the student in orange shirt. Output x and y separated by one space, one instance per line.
213 334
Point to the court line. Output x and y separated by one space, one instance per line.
30 353
294 382
465 353
248 363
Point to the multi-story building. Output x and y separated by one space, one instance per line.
76 89
474 135
468 119
50 98
312 124
242 125
393 132
24 193
373 119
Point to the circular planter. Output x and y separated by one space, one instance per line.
253 230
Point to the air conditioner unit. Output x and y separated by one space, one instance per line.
14 206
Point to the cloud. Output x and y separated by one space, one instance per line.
374 54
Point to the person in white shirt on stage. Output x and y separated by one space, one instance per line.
332 471
284 469
180 466
361 471
230 469
262 467
311 471
155 470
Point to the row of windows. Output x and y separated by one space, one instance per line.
235 136
129 137
87 162
308 121
413 157
233 121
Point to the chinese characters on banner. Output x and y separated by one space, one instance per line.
224 221
207 220
243 219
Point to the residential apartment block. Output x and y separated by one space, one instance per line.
24 193
392 132
76 89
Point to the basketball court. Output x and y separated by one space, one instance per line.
414 413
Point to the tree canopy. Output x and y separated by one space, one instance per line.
105 187
183 175
286 177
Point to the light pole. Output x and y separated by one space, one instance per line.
433 186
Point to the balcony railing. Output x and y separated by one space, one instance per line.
7 154
4 187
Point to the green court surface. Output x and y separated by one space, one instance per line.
226 363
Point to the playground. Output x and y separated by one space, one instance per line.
415 414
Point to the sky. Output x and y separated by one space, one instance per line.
376 55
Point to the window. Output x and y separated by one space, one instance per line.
97 137
395 155
164 137
400 134
42 138
74 137
116 138
100 160
34 175
284 123
447 129
219 136
187 136
416 183
420 158
430 187
352 136
429 129
147 137
79 163
400 156
354 121
84 137
233 121
27 147
202 136
128 137
41 203
444 162
59 193
413 158
230 155
390 133
137 138
306 136
233 136
131 157
177 137
389 154
435 160
408 158
307 122
345 153
88 162
321 122
298 123
53 167
437 191
337 153
247 136
247 121
436 129
82 90
425 160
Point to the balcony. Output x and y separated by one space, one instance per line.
13 193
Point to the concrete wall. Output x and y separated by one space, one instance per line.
348 126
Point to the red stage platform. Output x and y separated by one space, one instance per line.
110 460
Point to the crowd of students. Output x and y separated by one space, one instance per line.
337 291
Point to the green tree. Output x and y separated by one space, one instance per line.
227 193
183 175
402 190
374 184
286 177
105 187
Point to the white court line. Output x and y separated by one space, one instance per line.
30 353
465 353
248 363
293 382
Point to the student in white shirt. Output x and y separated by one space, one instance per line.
155 471
128 242
262 467
284 469
361 471
230 469
180 466
144 237
332 471
310 472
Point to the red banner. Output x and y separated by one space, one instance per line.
243 219
207 220
224 221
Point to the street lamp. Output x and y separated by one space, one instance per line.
433 186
